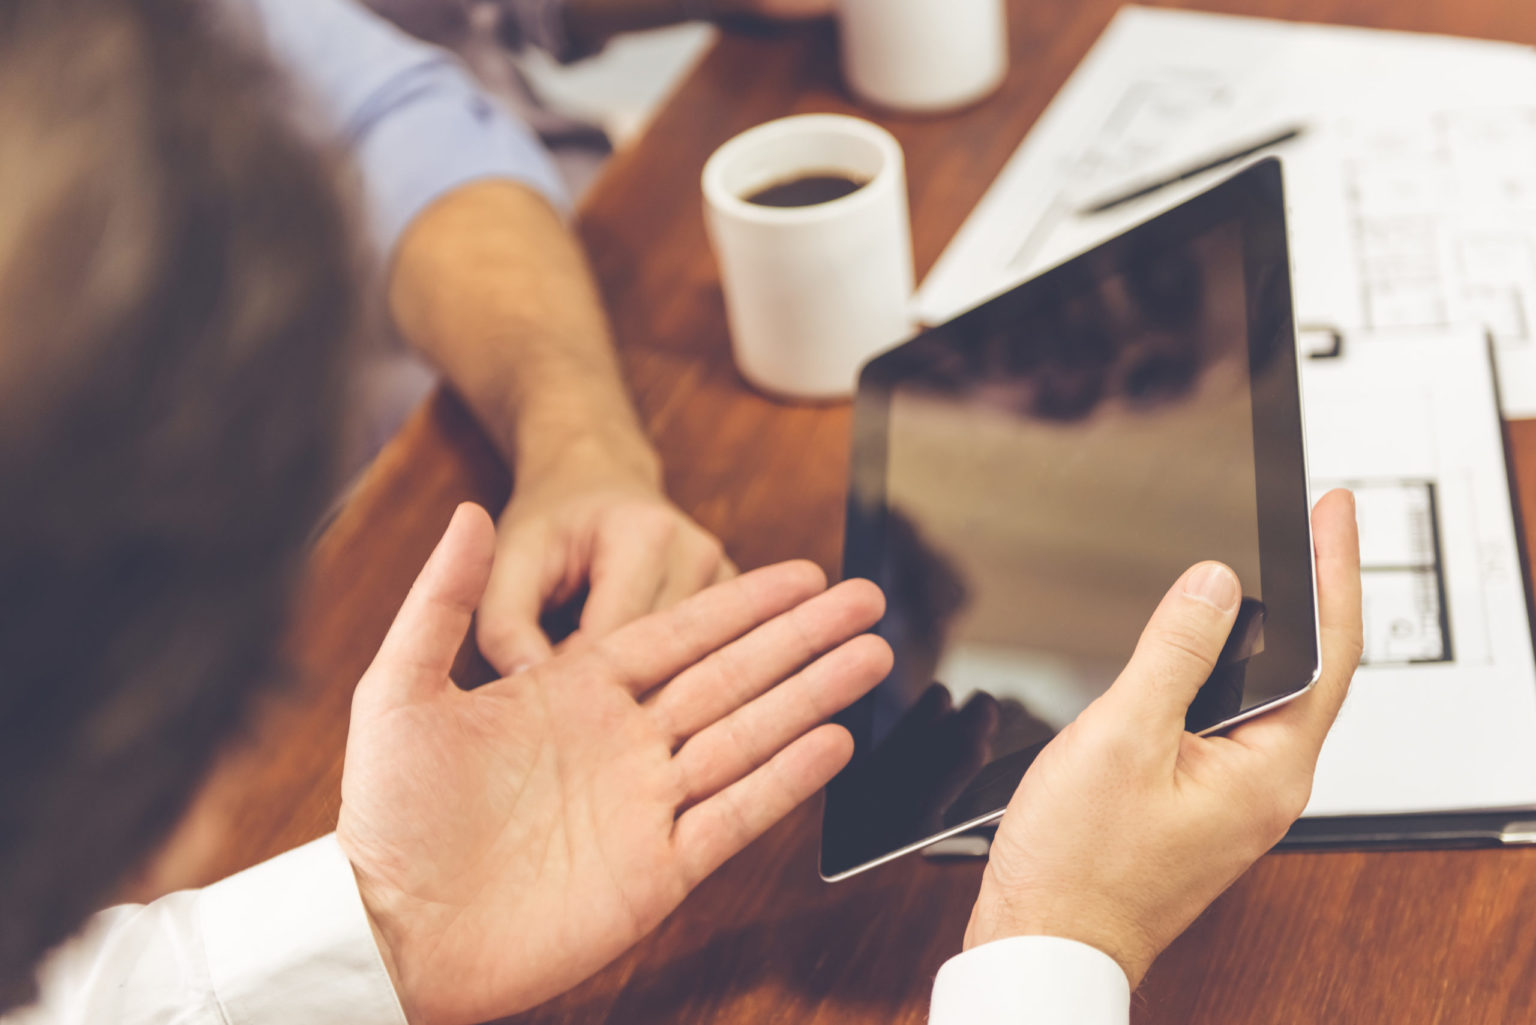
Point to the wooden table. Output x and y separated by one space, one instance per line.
1344 937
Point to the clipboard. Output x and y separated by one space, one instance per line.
1460 363
1433 830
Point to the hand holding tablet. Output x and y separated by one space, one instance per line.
1127 826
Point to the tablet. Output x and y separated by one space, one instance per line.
1028 481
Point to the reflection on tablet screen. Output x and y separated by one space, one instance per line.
1035 513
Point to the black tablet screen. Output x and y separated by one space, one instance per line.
1031 478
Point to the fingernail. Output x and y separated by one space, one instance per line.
1216 585
521 667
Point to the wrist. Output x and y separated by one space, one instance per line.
385 938
997 918
566 427
612 454
391 966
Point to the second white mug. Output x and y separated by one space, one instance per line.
923 56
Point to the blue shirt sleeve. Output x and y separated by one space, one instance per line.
412 116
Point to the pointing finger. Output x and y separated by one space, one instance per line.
629 567
521 585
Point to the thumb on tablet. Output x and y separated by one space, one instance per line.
1179 647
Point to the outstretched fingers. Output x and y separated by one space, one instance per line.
650 651
754 734
711 832
741 671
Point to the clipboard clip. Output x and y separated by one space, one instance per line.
1519 833
1330 344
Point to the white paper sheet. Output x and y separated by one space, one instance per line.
1412 188
1442 714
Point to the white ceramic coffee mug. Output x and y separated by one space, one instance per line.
811 292
923 55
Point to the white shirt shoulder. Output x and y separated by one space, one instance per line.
284 943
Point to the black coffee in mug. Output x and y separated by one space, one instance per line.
809 190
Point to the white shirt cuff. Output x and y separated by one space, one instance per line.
1031 980
288 943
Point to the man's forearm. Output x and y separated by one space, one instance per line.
491 285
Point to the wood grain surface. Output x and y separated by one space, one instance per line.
1405 938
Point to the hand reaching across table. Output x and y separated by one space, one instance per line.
598 529
511 840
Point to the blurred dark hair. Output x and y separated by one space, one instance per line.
177 287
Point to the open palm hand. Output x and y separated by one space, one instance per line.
510 841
